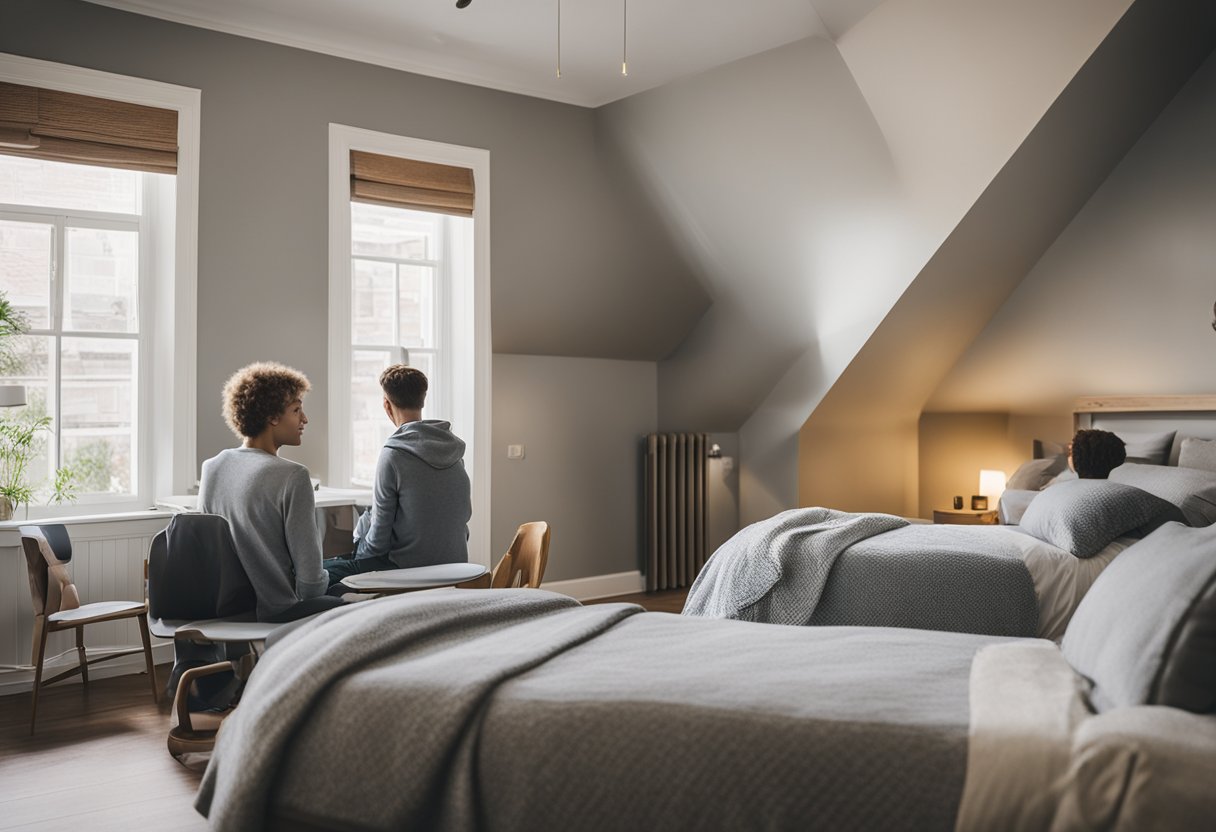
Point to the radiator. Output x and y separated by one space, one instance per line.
676 524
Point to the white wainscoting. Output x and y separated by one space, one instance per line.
108 556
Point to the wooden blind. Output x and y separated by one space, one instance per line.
66 127
407 183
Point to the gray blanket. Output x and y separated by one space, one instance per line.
774 571
511 710
890 575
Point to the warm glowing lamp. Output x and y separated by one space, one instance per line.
992 485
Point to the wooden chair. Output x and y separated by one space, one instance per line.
48 550
524 563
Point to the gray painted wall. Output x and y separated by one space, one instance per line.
571 252
1122 301
581 421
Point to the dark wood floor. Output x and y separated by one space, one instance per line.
98 760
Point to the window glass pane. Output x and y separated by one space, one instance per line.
102 280
416 305
61 185
369 424
25 268
380 231
34 373
98 410
427 362
371 302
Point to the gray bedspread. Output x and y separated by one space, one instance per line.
880 574
519 709
775 570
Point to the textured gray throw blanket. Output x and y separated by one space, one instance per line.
399 644
776 570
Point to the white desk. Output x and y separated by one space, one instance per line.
334 527
325 497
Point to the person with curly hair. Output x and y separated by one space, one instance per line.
267 500
421 501
1093 454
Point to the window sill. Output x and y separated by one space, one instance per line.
10 536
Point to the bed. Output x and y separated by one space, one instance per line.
520 709
819 567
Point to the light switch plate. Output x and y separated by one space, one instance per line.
515 452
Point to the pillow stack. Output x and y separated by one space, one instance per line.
1145 633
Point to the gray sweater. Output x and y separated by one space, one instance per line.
421 502
268 502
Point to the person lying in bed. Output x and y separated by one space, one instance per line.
421 500
267 500
1093 454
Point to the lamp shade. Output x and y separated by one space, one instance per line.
12 395
992 485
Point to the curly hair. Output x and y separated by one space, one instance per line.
1095 453
405 386
256 394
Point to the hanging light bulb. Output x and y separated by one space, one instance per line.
624 37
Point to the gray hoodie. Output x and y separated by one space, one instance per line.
421 502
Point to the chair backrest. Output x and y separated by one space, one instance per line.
48 550
194 571
526 559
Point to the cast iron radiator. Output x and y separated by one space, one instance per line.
676 536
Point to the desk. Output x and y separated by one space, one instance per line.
324 496
419 577
333 524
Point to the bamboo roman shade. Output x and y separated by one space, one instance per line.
407 183
66 127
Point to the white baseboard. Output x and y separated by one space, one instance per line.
21 679
599 586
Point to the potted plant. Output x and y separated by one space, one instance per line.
20 435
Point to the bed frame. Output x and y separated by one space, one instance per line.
1191 416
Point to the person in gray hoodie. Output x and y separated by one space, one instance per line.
421 500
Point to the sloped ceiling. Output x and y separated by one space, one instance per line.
1116 95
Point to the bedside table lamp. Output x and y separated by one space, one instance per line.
992 485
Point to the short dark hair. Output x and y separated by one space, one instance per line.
1095 453
255 394
404 386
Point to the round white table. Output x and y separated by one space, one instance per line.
418 577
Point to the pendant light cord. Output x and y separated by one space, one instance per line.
624 37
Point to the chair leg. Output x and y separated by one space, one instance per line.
84 662
143 633
39 656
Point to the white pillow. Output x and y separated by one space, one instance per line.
1197 453
1148 448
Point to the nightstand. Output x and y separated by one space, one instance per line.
965 517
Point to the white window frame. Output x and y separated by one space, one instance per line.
470 353
168 352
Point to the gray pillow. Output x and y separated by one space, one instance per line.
1148 448
1035 474
1046 449
1145 633
1197 453
1083 516
1064 476
1191 490
1013 504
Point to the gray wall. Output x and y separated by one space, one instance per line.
578 267
1122 302
571 252
581 421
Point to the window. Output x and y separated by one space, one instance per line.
401 279
102 259
408 286
70 243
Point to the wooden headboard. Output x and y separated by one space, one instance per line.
1190 416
